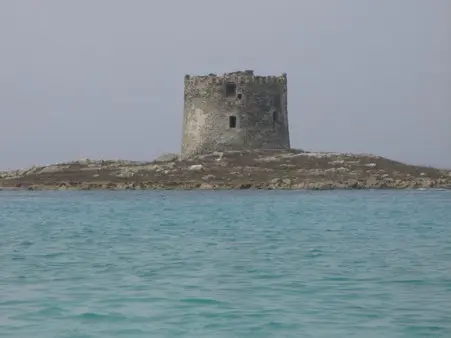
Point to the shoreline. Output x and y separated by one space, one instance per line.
233 170
8 189
312 186
56 189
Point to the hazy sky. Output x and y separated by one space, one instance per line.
104 78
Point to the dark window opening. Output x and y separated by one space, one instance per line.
274 116
232 121
230 89
277 101
239 96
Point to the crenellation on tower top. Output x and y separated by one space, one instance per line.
241 77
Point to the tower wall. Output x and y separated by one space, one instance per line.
218 119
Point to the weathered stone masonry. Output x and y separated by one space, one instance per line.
236 111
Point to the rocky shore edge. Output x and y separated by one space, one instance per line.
404 185
270 169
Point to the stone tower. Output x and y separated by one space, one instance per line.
236 111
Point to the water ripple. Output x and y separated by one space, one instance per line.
225 264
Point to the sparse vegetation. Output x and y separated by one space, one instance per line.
269 169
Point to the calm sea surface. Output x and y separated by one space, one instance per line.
225 264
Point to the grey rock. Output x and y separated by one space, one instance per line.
337 162
196 167
52 169
170 157
286 182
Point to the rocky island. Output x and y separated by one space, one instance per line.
253 169
235 136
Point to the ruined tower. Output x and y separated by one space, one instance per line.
236 111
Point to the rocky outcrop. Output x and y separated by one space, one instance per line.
270 169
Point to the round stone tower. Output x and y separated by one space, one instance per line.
236 111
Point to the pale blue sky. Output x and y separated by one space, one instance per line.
104 78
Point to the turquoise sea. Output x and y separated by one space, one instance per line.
225 264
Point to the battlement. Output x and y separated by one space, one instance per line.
237 77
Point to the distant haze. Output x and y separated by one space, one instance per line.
104 78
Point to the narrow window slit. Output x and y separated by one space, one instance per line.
230 89
232 121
